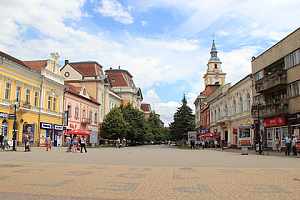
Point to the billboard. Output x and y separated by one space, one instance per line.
30 131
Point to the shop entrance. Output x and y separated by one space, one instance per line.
273 133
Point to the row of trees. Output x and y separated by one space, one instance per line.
129 122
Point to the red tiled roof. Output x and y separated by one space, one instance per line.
13 59
210 89
36 65
121 77
88 68
145 107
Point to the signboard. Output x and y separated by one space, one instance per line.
277 121
29 130
192 136
12 116
66 118
46 125
3 115
244 136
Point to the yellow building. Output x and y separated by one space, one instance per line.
33 90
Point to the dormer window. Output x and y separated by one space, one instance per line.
113 80
84 92
216 66
53 69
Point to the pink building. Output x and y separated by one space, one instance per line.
83 110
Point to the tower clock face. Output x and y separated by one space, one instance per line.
217 76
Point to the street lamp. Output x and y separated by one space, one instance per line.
257 107
15 106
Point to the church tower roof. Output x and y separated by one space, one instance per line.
213 54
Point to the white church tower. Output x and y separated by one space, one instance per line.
214 74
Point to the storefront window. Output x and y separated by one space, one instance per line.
4 129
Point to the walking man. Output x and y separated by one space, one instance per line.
294 142
68 141
82 144
288 141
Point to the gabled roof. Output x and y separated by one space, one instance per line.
37 65
210 89
75 90
145 107
88 68
13 59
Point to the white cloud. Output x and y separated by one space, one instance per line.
144 23
151 97
166 111
222 33
112 8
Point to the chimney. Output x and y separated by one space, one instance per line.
66 62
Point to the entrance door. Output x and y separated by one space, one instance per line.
226 136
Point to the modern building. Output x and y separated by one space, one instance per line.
32 92
276 93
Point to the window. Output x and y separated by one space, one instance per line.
219 113
212 116
226 110
7 90
294 89
76 112
36 98
49 103
248 101
83 114
241 105
216 66
54 103
292 59
53 68
18 94
84 92
258 75
27 97
234 107
215 115
95 117
69 110
113 80
90 116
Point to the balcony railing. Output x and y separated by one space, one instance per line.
25 104
273 107
270 81
85 120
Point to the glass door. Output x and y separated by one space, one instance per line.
284 133
270 137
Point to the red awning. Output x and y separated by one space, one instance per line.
78 132
210 135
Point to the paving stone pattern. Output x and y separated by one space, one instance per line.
72 176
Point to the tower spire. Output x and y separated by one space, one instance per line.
213 53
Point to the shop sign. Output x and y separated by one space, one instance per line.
3 115
277 121
294 117
46 125
206 130
58 127
12 116
252 126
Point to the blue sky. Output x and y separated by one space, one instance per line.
164 44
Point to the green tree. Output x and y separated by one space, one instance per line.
183 121
115 125
155 128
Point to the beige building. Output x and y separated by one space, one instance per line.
230 109
277 90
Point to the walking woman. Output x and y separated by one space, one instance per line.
48 142
277 144
74 149
82 144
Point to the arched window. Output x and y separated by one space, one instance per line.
219 113
248 101
234 107
226 110
215 115
212 116
241 105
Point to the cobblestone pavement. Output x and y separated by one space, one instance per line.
148 172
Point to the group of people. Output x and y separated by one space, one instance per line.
120 143
73 143
289 142
204 144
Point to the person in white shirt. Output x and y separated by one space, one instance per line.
82 144
288 142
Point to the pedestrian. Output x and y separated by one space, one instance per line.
254 144
192 144
115 144
294 143
48 142
27 145
1 141
118 142
124 142
203 144
169 142
216 144
68 141
277 144
74 149
82 144
288 142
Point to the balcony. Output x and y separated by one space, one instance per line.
86 121
25 105
273 107
271 81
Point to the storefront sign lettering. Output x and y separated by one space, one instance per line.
277 121
3 115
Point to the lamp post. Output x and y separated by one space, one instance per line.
258 106
15 106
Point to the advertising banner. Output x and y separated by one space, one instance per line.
43 138
192 136
29 130
244 136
